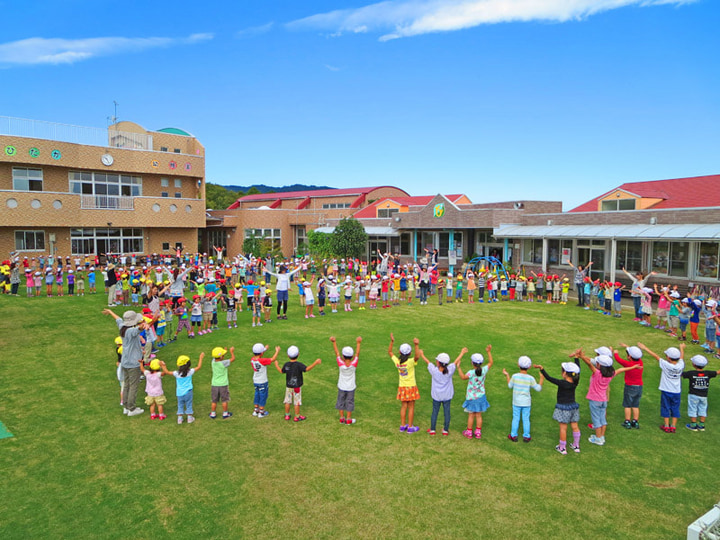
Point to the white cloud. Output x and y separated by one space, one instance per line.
255 30
67 51
402 18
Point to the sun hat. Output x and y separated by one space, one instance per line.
477 359
443 358
155 364
182 360
673 353
405 348
293 351
217 352
603 351
347 352
258 348
570 367
604 360
699 360
524 362
634 352
118 340
131 318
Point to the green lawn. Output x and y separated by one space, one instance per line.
76 467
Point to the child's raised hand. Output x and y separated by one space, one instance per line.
623 345
464 350
488 348
277 349
332 339
359 339
232 350
538 366
392 338
416 341
505 372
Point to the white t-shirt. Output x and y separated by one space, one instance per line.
259 367
346 379
308 293
671 377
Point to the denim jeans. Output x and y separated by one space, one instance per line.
423 293
261 394
517 413
185 403
581 293
636 305
446 414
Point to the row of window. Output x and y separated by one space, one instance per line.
676 259
84 241
332 206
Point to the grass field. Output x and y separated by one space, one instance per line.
77 468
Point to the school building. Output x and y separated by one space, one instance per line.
671 227
80 190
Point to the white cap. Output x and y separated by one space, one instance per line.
293 352
405 348
604 360
647 289
570 367
524 362
306 283
674 294
673 353
711 303
685 300
697 302
699 360
477 358
200 280
258 348
449 274
347 352
603 351
443 358
634 352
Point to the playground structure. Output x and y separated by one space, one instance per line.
488 264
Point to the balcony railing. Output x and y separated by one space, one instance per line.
106 202
107 137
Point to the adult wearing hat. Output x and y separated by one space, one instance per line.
130 326
111 284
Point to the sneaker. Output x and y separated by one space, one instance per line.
299 418
413 429
467 433
403 428
575 449
666 429
513 439
445 433
213 415
227 415
596 440
701 427
342 420
191 418
691 427
161 417
180 419
350 421
635 424
431 432
478 433
627 424
135 411
287 417
561 450
255 412
527 439
153 417
263 414
125 411
671 429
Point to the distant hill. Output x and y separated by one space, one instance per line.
262 188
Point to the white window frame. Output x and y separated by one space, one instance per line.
36 234
22 174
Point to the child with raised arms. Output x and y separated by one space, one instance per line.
476 402
699 383
293 371
184 390
670 384
633 385
347 364
220 385
442 389
407 386
153 388
521 383
567 410
260 378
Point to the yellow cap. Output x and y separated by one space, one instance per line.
155 365
268 291
182 360
262 282
217 352
147 320
118 340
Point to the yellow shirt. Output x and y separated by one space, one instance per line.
406 372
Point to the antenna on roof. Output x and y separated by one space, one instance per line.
114 118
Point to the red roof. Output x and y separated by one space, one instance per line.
342 192
694 192
420 200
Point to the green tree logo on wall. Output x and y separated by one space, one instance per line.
439 210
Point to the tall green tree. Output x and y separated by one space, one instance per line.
319 244
218 197
349 239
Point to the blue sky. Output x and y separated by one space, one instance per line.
498 99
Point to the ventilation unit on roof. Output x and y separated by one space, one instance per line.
653 221
518 205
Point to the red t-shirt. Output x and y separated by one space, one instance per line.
634 376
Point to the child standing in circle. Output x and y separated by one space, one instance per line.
153 389
184 390
699 383
407 387
567 410
220 385
293 371
442 389
476 402
633 385
260 378
521 384
670 384
347 364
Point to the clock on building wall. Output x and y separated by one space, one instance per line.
107 160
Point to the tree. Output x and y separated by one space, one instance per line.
319 244
253 245
218 197
349 239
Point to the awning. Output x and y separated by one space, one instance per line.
370 231
640 232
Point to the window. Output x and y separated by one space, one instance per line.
178 182
115 185
163 193
166 246
177 150
178 195
300 236
163 149
670 258
405 239
106 240
387 212
555 250
629 255
617 204
272 236
532 250
164 182
707 261
30 240
333 206
27 179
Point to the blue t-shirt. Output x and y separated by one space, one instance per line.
184 384
617 294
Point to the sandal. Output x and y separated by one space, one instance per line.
468 433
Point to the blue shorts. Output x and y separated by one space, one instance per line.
261 394
632 395
709 334
195 318
669 405
697 406
598 413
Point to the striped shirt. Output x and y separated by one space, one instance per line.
521 383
